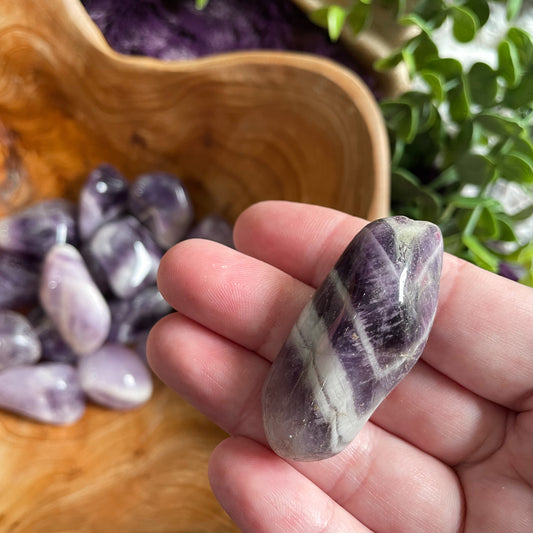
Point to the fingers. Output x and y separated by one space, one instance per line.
482 337
241 470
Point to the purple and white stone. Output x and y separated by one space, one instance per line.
103 197
213 228
73 301
362 332
46 392
115 377
161 202
53 347
19 344
126 254
37 228
132 317
19 279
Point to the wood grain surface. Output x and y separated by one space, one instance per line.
237 128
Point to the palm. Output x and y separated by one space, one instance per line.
449 450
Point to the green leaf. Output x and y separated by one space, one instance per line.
459 103
402 119
487 227
405 186
522 41
523 147
513 8
473 202
505 228
320 16
358 16
435 83
425 50
498 124
336 18
480 8
482 255
432 11
522 214
476 169
449 68
386 63
520 95
516 167
465 23
508 62
415 20
483 83
200 4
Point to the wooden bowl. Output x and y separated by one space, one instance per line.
238 128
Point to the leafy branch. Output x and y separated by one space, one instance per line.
462 132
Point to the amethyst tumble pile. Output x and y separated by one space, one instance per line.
87 304
362 332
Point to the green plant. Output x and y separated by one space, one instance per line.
462 129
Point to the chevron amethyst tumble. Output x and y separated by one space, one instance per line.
362 332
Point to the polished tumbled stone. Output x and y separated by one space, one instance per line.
103 197
19 343
124 252
161 202
19 279
115 377
36 229
73 301
364 329
213 228
46 392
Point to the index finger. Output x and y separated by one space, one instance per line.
481 337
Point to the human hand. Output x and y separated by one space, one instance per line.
449 450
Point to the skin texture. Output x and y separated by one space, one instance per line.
449 450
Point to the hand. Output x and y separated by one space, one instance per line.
449 450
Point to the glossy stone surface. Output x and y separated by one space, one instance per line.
73 301
213 228
103 197
364 329
18 341
134 316
53 347
36 229
19 279
161 202
46 392
124 252
115 377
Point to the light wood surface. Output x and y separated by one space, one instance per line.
237 128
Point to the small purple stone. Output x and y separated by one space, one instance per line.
115 377
47 392
19 280
103 197
213 228
161 202
126 254
36 229
53 347
19 344
73 301
364 329
134 316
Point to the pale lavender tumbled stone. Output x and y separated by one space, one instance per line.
161 202
36 229
73 301
364 329
124 252
213 228
103 197
132 317
19 279
53 347
46 392
18 341
115 377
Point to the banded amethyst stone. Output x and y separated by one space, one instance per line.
213 228
124 252
36 229
73 301
364 329
19 279
47 392
103 197
18 341
115 376
161 202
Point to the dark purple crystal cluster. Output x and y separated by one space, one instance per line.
362 332
87 274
